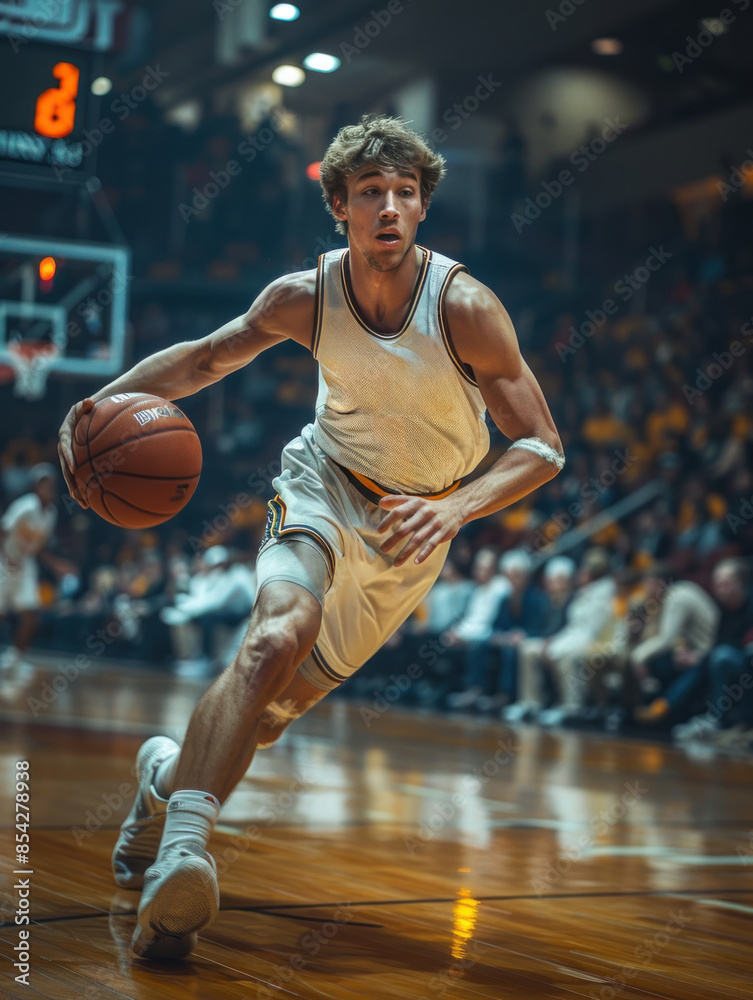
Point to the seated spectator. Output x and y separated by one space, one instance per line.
143 594
521 614
669 663
587 614
559 573
220 593
76 621
466 638
419 641
728 674
445 603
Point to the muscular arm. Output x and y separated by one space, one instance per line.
284 310
484 338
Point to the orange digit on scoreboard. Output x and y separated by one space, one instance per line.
56 108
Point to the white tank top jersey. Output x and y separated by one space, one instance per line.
399 408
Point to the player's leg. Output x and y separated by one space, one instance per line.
25 629
297 698
180 888
157 762
530 669
223 731
22 596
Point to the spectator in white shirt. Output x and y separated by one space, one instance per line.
221 593
27 525
469 635
559 574
446 602
589 611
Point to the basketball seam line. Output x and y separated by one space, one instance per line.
103 497
143 510
130 410
143 475
140 437
102 491
119 413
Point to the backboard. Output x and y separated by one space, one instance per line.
65 299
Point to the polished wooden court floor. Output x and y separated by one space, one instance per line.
387 854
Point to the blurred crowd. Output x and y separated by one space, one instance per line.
579 644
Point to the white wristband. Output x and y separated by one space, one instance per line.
541 448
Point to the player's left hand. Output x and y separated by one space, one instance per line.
426 523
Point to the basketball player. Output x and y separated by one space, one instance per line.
411 353
26 527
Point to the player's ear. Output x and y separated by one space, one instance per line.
422 216
339 209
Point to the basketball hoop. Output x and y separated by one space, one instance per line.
31 361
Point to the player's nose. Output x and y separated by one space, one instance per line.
389 206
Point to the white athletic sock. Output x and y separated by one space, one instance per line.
164 777
190 818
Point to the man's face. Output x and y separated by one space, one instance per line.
727 587
383 210
558 585
518 578
45 489
483 567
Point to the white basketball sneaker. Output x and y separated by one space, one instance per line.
140 834
180 897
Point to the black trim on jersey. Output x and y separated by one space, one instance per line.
351 299
465 370
325 668
318 305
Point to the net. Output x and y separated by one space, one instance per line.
32 362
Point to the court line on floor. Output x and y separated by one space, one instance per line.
725 904
268 908
96 725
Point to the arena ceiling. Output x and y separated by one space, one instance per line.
456 42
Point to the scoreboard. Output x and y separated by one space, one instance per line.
45 108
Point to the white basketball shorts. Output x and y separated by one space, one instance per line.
19 585
364 596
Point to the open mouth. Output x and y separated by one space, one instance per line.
388 238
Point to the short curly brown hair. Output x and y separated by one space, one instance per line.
387 142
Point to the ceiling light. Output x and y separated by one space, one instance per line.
607 46
321 62
284 12
186 115
101 86
288 76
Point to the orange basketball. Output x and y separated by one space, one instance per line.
137 459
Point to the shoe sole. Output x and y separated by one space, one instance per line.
133 875
186 900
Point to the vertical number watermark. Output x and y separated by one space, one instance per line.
22 886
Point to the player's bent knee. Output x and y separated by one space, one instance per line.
273 647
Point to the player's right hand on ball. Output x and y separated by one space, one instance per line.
65 451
